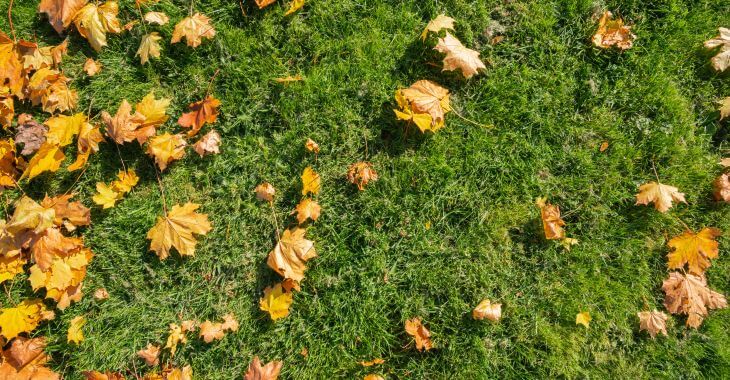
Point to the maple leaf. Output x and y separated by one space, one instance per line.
96 375
583 318
552 224
158 18
62 129
662 195
294 6
696 250
487 309
361 173
51 244
63 279
428 97
459 57
49 88
291 253
307 209
229 322
125 126
276 301
420 334
60 12
653 322
194 29
101 294
30 133
150 354
208 144
24 317
176 230
149 47
105 196
94 22
92 67
48 158
371 363
8 164
88 142
35 57
265 192
11 68
721 61
688 294
29 215
201 112
439 23
7 108
311 146
68 214
11 266
264 3
177 336
75 334
25 359
613 33
724 108
310 181
210 331
256 371
126 181
154 112
166 148
721 188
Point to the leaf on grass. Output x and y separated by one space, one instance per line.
688 294
307 209
125 126
310 181
276 301
166 148
428 97
552 224
256 371
439 23
371 363
30 133
211 331
94 22
177 336
662 195
9 162
92 67
51 245
459 57
176 230
721 61
420 334
208 144
724 106
22 318
264 3
149 47
60 12
154 111
35 57
26 359
12 74
29 215
68 214
653 322
75 334
49 88
230 323
696 250
105 196
201 112
62 129
361 173
265 192
194 29
613 33
88 142
311 146
11 266
158 18
373 376
7 108
289 79
294 6
125 181
487 309
48 158
291 253
96 375
150 354
101 294
583 318
721 188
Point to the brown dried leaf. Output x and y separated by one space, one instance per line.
688 294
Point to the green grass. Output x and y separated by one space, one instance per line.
551 99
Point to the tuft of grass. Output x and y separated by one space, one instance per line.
551 99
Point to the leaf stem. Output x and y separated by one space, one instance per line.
210 83
467 119
162 189
10 19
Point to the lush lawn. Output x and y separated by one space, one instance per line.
549 100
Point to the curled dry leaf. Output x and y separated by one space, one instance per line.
688 294
166 148
265 192
194 29
30 133
662 195
75 334
150 354
158 18
176 230
361 173
418 331
211 331
256 371
370 363
613 33
307 209
94 21
291 253
552 224
149 47
311 146
101 294
653 322
721 188
487 309
60 12
439 23
695 250
92 67
310 181
208 144
201 112
721 61
459 57
583 318
276 301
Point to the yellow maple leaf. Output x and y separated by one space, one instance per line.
310 181
153 110
48 158
60 13
654 322
428 97
294 6
177 336
11 266
7 108
583 318
176 230
459 57
552 223
194 29
25 317
256 371
29 215
166 148
613 33
126 126
94 22
126 181
105 196
149 47
696 250
75 334
211 331
439 23
423 121
62 128
291 253
307 209
276 301
662 195
88 142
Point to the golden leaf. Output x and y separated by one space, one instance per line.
75 334
153 110
696 250
265 192
208 144
194 29
653 322
310 181
613 33
662 195
256 371
150 354
294 6
158 18
428 97
25 317
149 47
105 196
307 209
166 148
176 230
62 128
311 146
459 57
201 112
276 301
552 224
291 253
439 23
125 126
487 309
48 158
92 67
210 331
60 12
420 333
94 22
583 318
361 173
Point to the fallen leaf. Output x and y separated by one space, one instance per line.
276 301
96 375
418 331
688 294
62 129
210 331
289 79
291 253
31 134
264 3
149 47
126 180
307 209
12 74
439 23
613 33
52 245
459 57
371 363
721 61
154 112
75 334
208 144
7 108
48 158
662 195
105 196
724 107
158 18
721 188
201 112
265 192
428 97
230 323
60 12
294 6
177 336
9 162
568 243
87 143
22 318
361 173
552 224
151 354
603 147
29 215
101 294
194 29
653 322
68 214
176 230
310 181
26 359
487 309
94 22
373 377
125 126
256 371
11 266
92 67
49 88
311 146
166 148
583 318
696 250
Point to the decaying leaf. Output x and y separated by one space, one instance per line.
158 18
361 173
439 23
291 253
662 195
92 67
487 309
310 181
552 224
22 318
721 188
653 322
194 29
94 21
166 148
459 57
101 294
311 146
126 126
613 33
61 12
75 334
583 318
208 144
30 133
721 61
688 294
307 209
294 6
211 331
276 301
256 371
149 47
201 112
176 230
695 250
150 354
420 334
265 192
